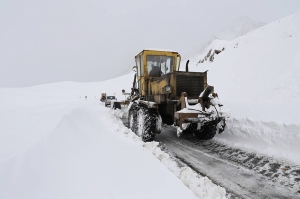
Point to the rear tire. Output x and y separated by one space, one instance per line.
167 119
206 132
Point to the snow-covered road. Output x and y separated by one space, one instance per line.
244 174
243 177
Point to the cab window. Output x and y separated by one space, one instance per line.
142 66
159 65
138 64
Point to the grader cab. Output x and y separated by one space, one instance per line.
162 93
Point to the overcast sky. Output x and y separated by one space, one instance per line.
93 40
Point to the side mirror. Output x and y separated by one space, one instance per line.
134 68
123 91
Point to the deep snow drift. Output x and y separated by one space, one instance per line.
55 143
257 76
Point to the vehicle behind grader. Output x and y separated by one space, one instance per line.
162 93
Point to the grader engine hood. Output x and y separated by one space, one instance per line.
173 84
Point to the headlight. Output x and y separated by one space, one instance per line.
167 88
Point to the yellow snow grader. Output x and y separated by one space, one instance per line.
162 93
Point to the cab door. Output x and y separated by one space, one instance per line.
140 73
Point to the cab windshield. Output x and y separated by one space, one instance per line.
159 65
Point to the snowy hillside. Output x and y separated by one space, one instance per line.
258 76
236 28
260 68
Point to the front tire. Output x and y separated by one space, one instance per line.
142 121
146 124
132 117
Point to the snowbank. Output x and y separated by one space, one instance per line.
201 186
266 138
57 145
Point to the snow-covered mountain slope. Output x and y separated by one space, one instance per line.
240 26
257 76
259 71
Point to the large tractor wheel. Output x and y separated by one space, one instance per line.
132 117
206 132
146 124
221 126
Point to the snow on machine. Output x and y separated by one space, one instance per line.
162 93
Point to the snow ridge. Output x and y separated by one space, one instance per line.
263 137
201 186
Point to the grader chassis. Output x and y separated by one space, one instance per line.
162 93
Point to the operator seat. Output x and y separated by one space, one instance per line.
155 72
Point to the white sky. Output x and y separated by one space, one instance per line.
72 40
